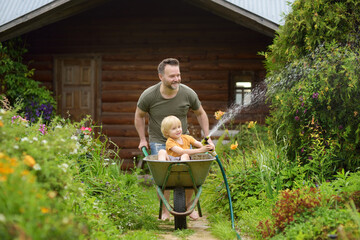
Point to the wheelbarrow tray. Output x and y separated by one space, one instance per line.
180 171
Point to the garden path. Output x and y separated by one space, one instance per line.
200 228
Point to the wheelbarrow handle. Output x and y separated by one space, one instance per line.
143 149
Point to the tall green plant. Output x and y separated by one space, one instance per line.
16 84
310 24
313 80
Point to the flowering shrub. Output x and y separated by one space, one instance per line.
315 106
35 102
59 182
291 204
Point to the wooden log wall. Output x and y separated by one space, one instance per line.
131 41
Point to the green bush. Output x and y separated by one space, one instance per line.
16 84
313 85
62 182
310 24
315 104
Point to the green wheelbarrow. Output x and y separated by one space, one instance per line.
178 176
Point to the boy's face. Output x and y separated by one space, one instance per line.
175 131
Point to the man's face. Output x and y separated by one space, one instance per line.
171 77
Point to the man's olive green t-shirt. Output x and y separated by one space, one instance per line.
152 102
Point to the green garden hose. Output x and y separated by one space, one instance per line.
204 142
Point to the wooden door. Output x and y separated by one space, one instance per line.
76 87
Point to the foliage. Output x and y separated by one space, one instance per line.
16 83
313 85
270 190
291 204
59 181
309 25
319 114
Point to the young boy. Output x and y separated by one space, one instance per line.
178 144
177 149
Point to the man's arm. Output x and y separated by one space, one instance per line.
203 121
139 122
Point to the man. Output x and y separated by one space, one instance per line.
168 97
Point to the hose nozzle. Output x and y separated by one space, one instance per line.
205 141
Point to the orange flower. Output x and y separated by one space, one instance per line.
234 146
29 160
45 210
1 124
6 170
219 114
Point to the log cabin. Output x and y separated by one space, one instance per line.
98 56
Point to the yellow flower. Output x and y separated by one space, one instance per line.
326 89
45 210
3 178
219 114
24 172
355 113
252 124
234 146
277 97
329 107
29 160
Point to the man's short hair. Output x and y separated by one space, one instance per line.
167 61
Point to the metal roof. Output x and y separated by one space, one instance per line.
13 9
272 10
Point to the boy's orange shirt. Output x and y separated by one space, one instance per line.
187 141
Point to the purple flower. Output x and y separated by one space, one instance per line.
310 157
297 118
301 98
305 111
341 127
302 104
315 95
302 150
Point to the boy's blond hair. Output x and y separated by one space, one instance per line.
167 123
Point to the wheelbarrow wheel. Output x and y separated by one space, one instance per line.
180 206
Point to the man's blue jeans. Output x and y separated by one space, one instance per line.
156 147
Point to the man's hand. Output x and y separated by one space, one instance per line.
142 144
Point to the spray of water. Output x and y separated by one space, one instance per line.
251 100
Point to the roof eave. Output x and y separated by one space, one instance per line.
61 9
238 15
50 13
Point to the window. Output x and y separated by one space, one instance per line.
240 88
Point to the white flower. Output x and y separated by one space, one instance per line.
2 111
58 126
35 138
73 137
37 167
24 139
44 141
64 167
2 216
63 140
16 146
